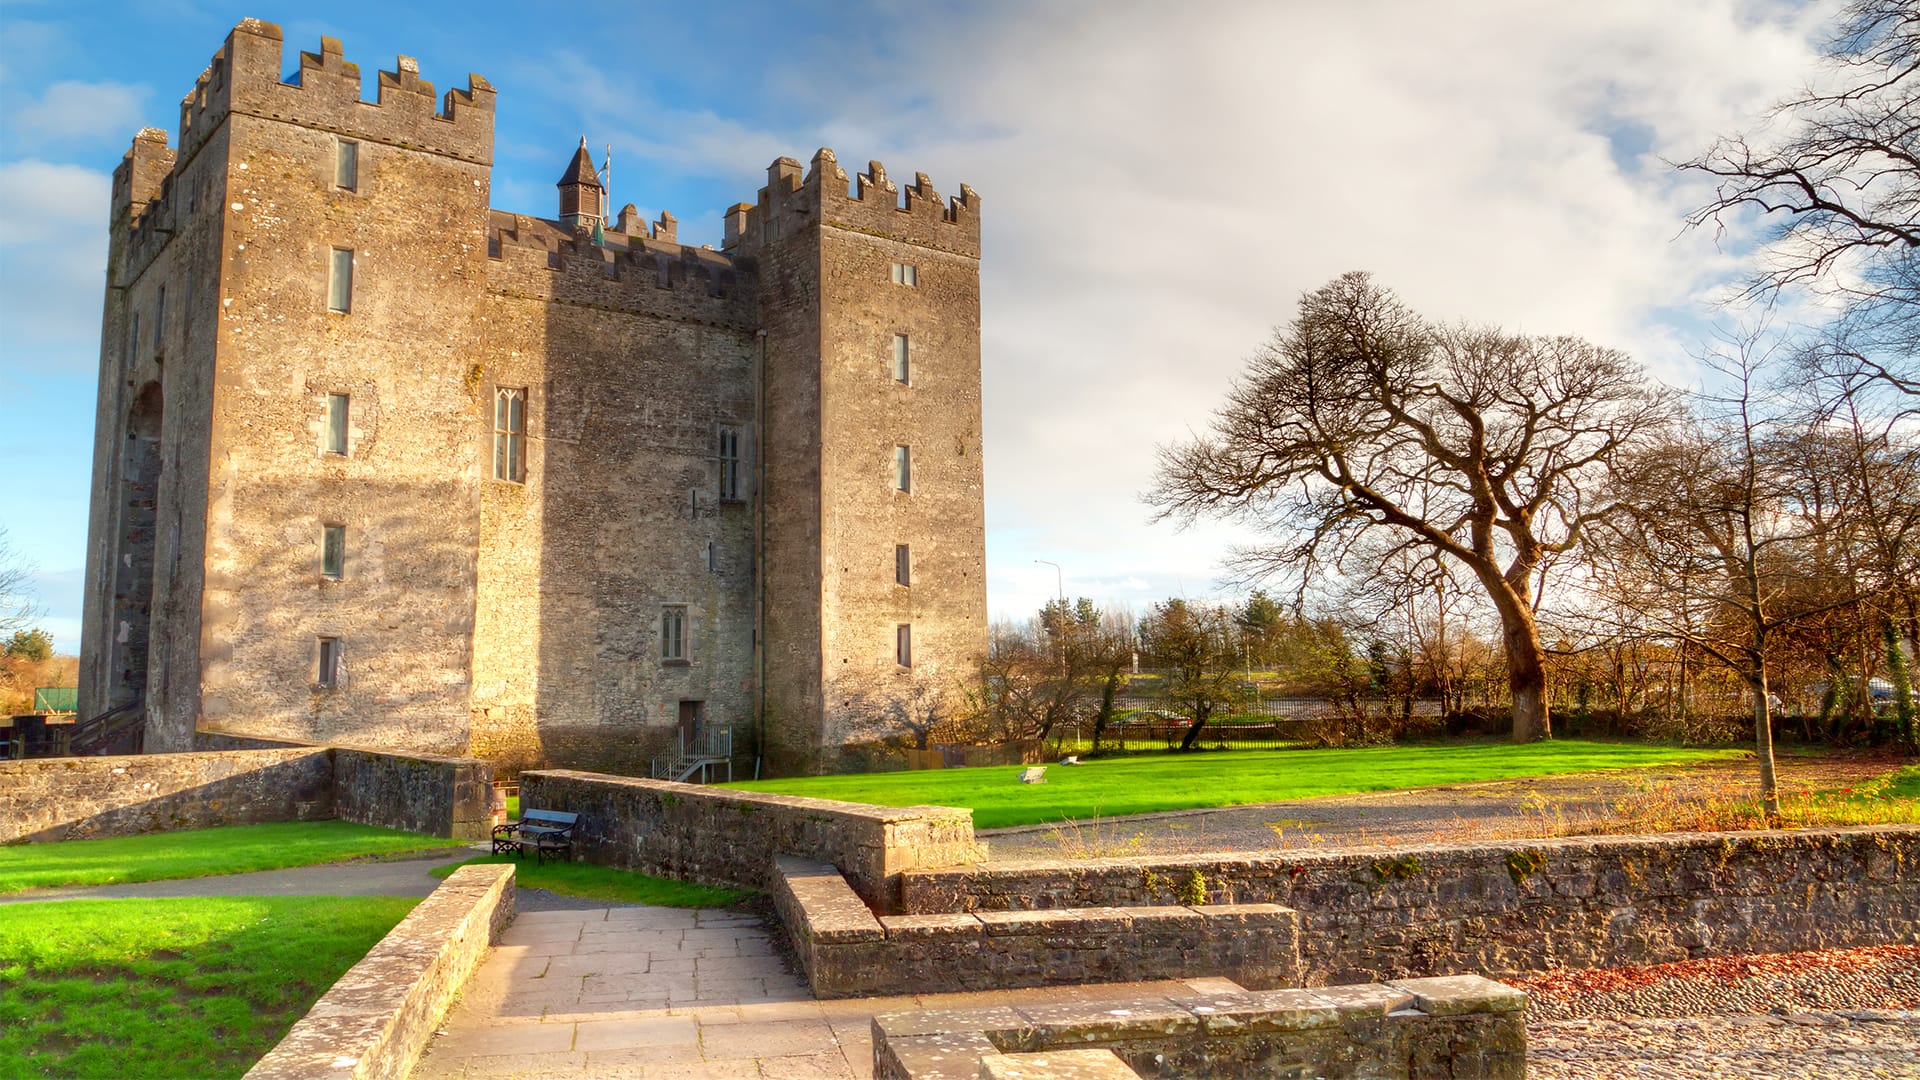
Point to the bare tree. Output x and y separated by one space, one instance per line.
1362 418
1723 540
17 610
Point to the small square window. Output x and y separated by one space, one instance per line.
903 645
901 350
673 633
346 166
340 281
510 434
902 565
336 434
904 274
903 468
327 665
333 551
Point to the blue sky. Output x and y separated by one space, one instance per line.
1160 183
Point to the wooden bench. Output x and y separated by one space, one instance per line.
546 832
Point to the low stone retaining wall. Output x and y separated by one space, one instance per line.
85 798
1464 1026
725 837
1513 907
439 796
377 1020
846 951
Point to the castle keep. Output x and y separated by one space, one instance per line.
378 464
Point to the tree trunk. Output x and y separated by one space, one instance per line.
1193 733
1763 747
1526 674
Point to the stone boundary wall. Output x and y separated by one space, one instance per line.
439 796
1463 1026
377 1020
725 837
846 951
208 739
1512 907
88 798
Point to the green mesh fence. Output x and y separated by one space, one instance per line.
56 699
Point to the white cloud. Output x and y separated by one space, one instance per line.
53 249
75 112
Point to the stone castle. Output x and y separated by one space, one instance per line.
378 464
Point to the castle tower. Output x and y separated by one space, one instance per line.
873 553
286 444
583 198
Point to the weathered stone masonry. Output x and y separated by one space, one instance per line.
517 618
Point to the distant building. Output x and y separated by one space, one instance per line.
379 464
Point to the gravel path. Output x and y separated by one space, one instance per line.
1452 812
1836 1013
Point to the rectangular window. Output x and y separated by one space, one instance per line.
346 166
336 435
903 645
327 669
904 274
333 551
510 435
901 370
729 453
673 632
902 565
340 281
903 468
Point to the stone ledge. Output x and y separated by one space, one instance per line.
1464 1025
375 1022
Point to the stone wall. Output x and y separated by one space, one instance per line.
438 796
1464 1026
1512 907
88 798
376 1021
845 951
727 837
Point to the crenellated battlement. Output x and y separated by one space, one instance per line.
870 203
626 272
324 92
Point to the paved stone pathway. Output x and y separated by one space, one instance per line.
669 994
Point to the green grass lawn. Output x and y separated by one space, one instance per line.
198 987
1113 787
201 853
607 883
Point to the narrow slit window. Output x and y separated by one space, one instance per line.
901 358
904 274
902 564
729 454
346 166
336 436
327 665
160 319
903 645
133 338
340 281
673 632
333 551
903 468
510 434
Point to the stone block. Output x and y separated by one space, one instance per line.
1453 995
1056 1065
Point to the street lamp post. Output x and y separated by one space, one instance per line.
1060 634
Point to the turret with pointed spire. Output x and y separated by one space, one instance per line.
583 198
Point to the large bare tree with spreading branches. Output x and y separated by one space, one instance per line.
1362 420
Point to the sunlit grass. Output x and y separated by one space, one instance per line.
1114 787
199 987
192 853
607 883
